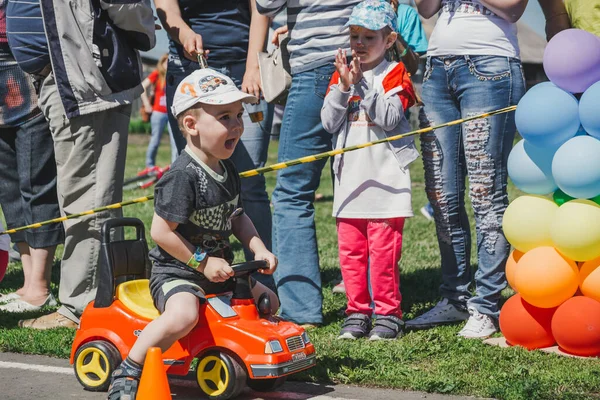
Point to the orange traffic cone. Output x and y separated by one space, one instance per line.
154 384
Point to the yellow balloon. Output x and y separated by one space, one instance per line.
576 230
527 221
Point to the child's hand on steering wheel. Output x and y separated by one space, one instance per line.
217 270
269 258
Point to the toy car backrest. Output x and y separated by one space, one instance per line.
121 260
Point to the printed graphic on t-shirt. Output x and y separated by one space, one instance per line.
215 218
356 115
466 7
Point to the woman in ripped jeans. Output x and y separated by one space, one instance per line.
472 67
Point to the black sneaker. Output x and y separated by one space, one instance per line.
355 326
386 327
125 381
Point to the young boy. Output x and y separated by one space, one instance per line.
197 207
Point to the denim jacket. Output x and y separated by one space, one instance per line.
384 104
93 47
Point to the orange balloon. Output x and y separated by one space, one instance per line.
511 265
589 279
576 326
525 325
545 278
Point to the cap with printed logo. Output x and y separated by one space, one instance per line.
207 86
373 15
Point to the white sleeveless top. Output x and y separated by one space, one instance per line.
470 28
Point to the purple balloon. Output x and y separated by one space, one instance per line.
572 60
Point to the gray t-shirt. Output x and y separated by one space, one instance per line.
201 202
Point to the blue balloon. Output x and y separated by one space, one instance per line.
547 116
530 168
589 110
576 167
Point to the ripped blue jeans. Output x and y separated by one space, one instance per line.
459 87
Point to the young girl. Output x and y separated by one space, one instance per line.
158 112
365 102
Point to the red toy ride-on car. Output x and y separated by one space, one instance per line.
236 342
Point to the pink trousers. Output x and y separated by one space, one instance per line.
374 244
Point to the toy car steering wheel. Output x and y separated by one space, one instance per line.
248 267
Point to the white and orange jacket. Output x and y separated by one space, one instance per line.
384 103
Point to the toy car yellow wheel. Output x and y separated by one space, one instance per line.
265 385
94 363
220 376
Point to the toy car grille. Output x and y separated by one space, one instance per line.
295 343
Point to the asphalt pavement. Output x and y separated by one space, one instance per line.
27 377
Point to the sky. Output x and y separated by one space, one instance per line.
533 17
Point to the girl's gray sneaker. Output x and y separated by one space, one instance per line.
355 326
386 327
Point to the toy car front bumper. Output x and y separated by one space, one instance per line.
268 370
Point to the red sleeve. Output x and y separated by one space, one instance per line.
153 76
335 79
399 78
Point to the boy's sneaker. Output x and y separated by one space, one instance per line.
355 326
443 313
386 327
125 381
427 211
479 326
339 288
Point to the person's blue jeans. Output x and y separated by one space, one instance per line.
454 88
294 237
28 182
158 120
250 153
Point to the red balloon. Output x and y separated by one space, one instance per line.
525 325
576 326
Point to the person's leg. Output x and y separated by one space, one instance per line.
157 125
385 251
354 261
251 153
489 83
90 155
445 170
37 175
174 152
175 74
294 235
10 197
178 319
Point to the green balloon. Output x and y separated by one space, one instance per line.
561 198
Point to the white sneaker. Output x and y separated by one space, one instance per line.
19 305
443 313
6 298
479 326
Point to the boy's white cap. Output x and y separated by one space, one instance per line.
209 87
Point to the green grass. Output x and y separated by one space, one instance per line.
435 360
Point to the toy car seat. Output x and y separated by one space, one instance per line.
125 269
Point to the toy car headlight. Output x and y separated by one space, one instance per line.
273 346
305 337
